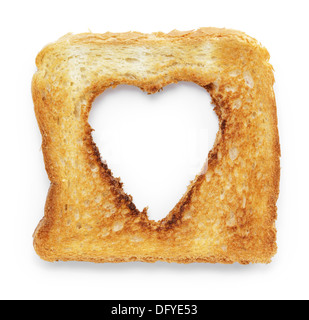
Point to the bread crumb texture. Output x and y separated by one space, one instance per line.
227 214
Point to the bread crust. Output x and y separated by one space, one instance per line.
228 213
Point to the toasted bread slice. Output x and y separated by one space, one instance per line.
228 212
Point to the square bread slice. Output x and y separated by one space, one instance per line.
227 214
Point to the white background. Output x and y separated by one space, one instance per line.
26 26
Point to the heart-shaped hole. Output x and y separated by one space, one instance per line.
156 144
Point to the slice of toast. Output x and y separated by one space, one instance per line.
228 212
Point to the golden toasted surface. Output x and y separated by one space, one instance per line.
228 212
